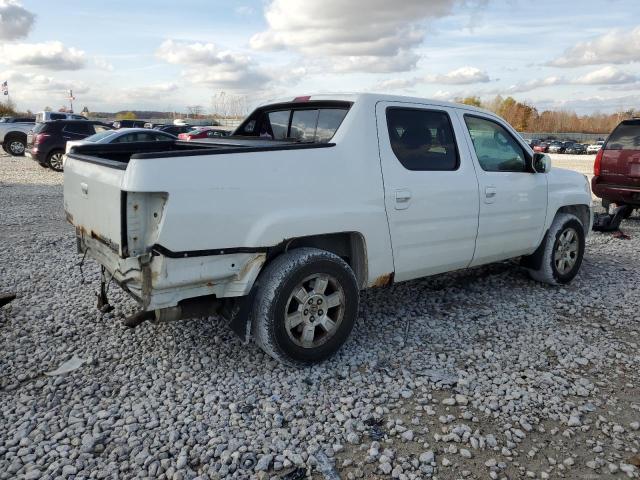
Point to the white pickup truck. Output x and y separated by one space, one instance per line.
279 226
13 134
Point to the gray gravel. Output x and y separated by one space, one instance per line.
478 374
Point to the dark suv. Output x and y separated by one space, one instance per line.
617 167
47 141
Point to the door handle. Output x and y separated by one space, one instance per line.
490 194
402 197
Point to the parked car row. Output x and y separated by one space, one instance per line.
556 146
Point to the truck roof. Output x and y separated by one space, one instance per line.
361 97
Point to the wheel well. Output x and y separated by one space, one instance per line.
580 211
19 135
350 246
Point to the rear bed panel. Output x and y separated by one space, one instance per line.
93 201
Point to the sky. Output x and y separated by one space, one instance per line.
581 55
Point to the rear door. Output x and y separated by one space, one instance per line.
431 190
513 199
620 165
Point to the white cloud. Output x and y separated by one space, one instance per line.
48 55
27 81
149 92
607 76
102 64
459 76
604 76
213 67
402 61
531 85
616 46
363 32
15 21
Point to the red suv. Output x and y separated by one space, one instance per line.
617 167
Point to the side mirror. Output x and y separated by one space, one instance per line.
541 163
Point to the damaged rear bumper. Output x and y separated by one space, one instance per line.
156 281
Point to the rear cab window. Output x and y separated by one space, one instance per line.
306 122
626 136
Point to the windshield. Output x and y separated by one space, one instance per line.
99 136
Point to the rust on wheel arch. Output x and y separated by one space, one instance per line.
383 280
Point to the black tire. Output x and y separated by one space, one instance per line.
275 300
15 145
549 269
54 160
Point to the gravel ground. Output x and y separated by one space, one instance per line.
477 374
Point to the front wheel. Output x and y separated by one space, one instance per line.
55 160
561 252
305 306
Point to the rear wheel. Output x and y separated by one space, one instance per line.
305 306
561 252
15 145
54 160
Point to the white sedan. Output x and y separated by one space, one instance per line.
595 147
123 135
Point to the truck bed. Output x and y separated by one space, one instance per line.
118 155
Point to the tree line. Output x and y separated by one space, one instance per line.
526 118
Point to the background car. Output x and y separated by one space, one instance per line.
203 132
616 170
124 135
575 149
595 147
46 116
129 124
174 129
46 143
542 147
556 147
18 120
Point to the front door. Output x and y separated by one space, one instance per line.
513 204
431 190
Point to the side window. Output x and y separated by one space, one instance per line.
78 129
303 125
279 123
58 116
100 128
422 139
329 120
127 138
495 147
